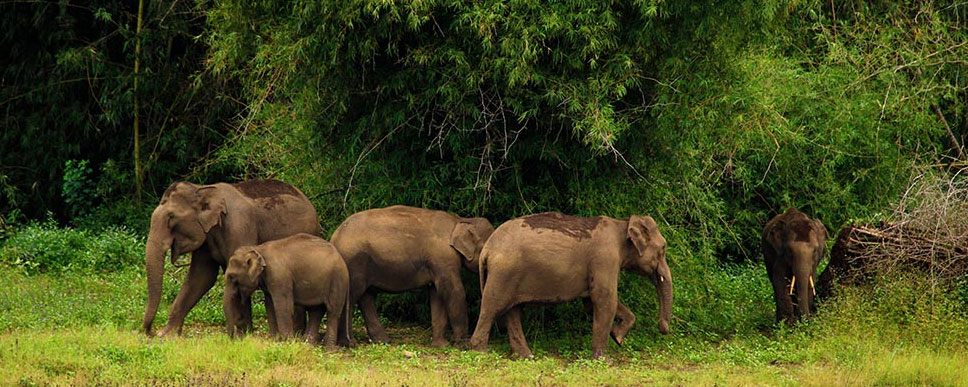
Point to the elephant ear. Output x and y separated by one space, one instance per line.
211 207
464 240
639 233
255 264
821 230
774 234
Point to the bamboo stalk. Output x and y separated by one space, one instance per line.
137 130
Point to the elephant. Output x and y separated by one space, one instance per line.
793 245
399 248
552 257
211 222
303 270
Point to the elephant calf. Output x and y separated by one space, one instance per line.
302 270
400 248
550 257
793 245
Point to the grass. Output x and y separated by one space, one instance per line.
81 329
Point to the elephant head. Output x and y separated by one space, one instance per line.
798 242
242 277
648 257
180 223
468 238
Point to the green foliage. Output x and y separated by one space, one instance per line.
67 95
78 189
710 117
43 248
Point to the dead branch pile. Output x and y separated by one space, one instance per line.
927 230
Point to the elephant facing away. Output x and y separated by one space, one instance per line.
211 222
793 245
302 270
399 248
551 258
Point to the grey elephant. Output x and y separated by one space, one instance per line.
302 270
211 222
399 248
551 258
793 245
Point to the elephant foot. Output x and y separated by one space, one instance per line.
168 332
618 337
523 354
439 342
347 343
479 347
380 339
603 358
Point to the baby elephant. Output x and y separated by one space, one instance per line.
550 257
302 270
793 245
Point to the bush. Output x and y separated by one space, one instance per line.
45 248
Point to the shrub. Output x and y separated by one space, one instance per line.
45 248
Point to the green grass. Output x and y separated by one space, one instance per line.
82 329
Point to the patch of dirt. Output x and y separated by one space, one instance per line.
574 227
265 188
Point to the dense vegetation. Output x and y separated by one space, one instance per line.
710 116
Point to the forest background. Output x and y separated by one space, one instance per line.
711 116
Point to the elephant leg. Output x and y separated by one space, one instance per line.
452 292
334 318
492 304
373 327
311 332
626 320
519 345
283 305
246 314
345 330
438 319
201 276
604 304
271 315
784 305
299 314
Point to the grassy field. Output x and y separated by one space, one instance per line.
58 329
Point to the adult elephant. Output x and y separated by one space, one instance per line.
399 248
793 245
551 257
211 222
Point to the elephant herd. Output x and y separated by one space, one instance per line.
264 234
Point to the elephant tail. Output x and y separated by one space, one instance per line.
345 322
482 269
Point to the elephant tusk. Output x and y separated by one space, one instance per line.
812 288
661 279
792 282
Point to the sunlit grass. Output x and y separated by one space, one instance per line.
83 330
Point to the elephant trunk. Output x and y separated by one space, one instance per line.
230 305
663 287
159 241
804 284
